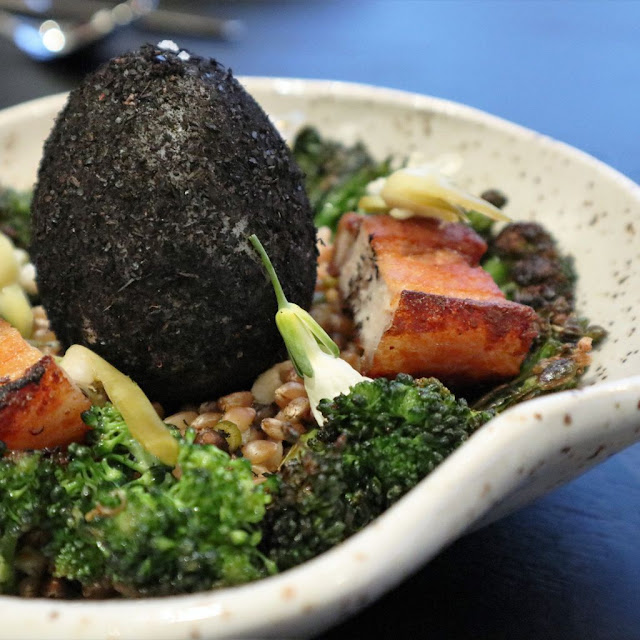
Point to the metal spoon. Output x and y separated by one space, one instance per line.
53 29
48 39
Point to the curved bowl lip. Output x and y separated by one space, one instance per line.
340 581
342 89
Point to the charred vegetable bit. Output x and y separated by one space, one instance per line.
378 441
336 175
15 216
556 362
124 523
527 265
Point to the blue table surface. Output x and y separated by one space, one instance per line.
567 566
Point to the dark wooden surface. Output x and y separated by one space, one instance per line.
568 566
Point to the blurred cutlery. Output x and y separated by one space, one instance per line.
49 29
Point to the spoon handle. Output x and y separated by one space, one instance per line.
65 9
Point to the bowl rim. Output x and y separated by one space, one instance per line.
283 85
340 581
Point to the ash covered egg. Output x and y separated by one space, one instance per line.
155 174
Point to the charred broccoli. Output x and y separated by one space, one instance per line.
526 263
556 362
378 441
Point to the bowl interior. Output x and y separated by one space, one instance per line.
593 211
595 214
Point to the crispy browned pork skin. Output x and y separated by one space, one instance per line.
40 407
423 305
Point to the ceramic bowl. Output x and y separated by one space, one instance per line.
594 212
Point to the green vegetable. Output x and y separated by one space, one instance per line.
335 175
529 268
15 216
25 484
525 262
124 519
121 520
498 270
378 441
556 362
481 223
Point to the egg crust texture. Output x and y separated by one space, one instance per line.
155 174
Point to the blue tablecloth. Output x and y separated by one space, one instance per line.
569 565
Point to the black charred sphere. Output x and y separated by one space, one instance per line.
154 176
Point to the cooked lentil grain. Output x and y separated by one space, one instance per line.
207 420
242 417
182 419
297 410
289 391
263 452
237 399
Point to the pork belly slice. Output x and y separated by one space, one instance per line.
423 305
40 406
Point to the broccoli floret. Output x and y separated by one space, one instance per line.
313 508
378 441
25 481
126 521
91 482
398 430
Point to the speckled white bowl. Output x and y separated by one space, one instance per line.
595 213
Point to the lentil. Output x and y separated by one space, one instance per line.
242 417
159 409
263 452
207 420
208 406
298 409
212 437
237 399
182 419
289 391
